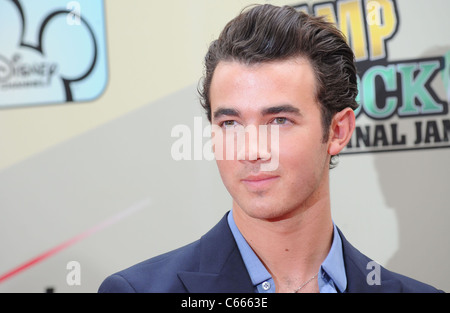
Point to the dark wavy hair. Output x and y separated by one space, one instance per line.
266 33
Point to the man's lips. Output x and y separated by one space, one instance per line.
260 181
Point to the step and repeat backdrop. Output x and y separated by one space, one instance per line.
96 97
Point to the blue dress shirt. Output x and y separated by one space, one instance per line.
331 278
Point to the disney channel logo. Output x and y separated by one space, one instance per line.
15 73
53 52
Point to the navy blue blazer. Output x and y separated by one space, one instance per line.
213 264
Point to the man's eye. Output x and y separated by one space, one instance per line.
229 123
280 120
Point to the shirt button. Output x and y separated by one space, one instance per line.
266 285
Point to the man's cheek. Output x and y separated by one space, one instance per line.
270 149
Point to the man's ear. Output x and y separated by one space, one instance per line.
341 130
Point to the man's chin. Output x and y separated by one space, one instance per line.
263 210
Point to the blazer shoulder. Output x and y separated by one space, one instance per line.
208 255
408 284
360 269
157 274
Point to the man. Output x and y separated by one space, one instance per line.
295 75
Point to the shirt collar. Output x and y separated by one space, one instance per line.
257 271
333 265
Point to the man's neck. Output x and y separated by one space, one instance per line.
291 248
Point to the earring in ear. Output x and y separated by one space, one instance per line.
334 161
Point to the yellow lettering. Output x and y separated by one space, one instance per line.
326 10
382 23
351 24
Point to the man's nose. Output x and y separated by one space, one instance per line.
253 143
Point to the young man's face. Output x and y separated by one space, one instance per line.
280 93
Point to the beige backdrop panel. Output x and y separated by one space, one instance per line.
104 169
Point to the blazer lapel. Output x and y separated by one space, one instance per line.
357 272
221 268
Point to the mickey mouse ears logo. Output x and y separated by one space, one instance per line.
51 51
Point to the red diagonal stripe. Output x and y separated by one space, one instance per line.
108 222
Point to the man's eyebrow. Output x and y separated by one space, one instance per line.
225 112
286 108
